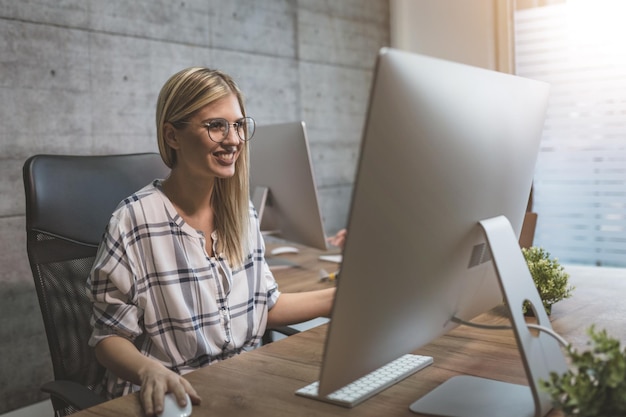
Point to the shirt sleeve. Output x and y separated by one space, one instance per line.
111 287
272 286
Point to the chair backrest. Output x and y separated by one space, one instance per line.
69 201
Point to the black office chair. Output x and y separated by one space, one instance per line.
69 201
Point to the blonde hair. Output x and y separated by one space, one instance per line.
182 95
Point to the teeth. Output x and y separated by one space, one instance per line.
226 156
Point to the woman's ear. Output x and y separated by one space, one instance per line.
169 134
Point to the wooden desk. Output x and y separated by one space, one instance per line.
263 382
306 276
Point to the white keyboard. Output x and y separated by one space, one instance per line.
371 384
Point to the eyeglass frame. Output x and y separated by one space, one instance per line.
228 125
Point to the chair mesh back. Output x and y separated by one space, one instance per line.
60 277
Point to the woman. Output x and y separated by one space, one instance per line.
180 279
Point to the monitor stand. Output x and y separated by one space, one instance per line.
468 396
259 200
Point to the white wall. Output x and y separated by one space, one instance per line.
474 32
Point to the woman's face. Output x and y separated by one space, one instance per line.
201 155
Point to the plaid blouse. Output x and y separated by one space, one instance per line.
153 283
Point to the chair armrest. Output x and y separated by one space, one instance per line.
286 330
72 393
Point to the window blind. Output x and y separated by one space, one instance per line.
580 181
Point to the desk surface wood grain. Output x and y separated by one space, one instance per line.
263 382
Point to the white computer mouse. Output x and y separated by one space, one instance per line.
280 250
172 409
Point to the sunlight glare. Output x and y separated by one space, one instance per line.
598 21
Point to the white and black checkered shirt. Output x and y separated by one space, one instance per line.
153 283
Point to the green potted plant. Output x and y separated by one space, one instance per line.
549 276
595 384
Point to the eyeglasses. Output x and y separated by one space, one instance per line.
219 128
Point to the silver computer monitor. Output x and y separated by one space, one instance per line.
282 184
442 185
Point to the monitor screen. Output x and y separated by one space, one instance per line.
445 147
282 184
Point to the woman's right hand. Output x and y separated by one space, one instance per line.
122 358
156 381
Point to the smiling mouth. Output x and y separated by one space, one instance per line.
225 157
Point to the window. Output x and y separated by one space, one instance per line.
580 182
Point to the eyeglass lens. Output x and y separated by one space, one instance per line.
218 128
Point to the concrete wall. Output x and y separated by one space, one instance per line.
81 77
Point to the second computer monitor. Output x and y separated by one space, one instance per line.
282 184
